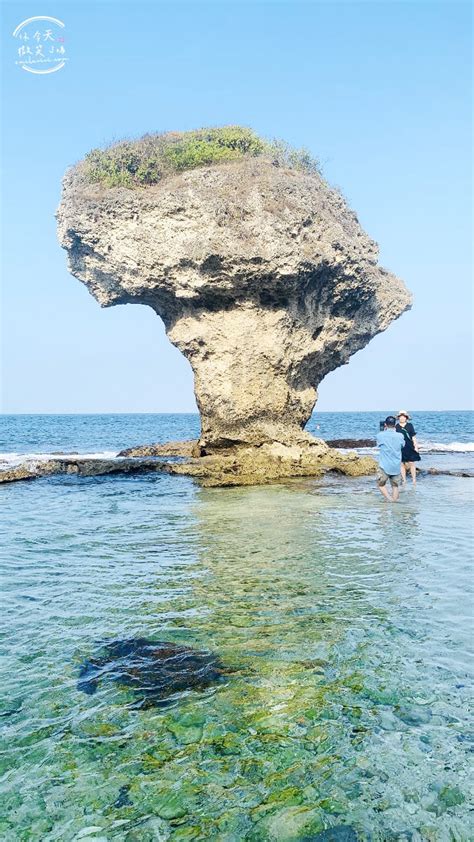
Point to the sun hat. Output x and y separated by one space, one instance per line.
405 413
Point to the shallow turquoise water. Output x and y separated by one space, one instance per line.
345 625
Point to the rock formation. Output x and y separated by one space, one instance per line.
154 670
227 467
262 275
244 465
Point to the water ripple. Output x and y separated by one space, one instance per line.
345 625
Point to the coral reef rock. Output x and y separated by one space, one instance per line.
237 465
271 462
153 669
262 275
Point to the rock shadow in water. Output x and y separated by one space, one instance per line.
155 670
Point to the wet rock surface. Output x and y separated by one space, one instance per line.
225 467
154 670
99 467
439 472
230 466
271 463
21 472
81 467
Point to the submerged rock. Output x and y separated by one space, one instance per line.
289 823
262 275
153 669
123 799
341 833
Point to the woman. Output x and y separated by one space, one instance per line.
410 453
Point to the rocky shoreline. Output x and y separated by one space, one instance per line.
233 466
238 465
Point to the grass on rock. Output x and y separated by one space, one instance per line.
153 157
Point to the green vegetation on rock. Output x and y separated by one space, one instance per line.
153 157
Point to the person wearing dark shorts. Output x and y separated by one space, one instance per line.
410 453
390 445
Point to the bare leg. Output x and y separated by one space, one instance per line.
383 490
395 493
403 473
413 472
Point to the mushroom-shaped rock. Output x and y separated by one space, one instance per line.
262 275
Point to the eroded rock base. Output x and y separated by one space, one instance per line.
272 462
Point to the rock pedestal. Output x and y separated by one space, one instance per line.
262 275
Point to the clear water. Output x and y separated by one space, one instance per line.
345 624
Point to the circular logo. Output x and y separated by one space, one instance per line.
40 45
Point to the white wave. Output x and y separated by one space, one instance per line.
364 451
425 447
13 459
451 447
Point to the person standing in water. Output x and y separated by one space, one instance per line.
390 445
410 453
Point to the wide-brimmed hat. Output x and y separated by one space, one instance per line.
403 412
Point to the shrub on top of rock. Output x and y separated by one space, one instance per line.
262 274
153 157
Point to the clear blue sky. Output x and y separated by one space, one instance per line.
378 91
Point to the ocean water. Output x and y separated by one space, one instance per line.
344 626
110 433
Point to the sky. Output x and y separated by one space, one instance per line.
378 91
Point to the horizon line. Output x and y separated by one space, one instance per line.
195 412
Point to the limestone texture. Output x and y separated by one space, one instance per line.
32 469
171 448
237 465
262 275
271 462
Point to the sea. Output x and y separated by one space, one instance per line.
342 626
